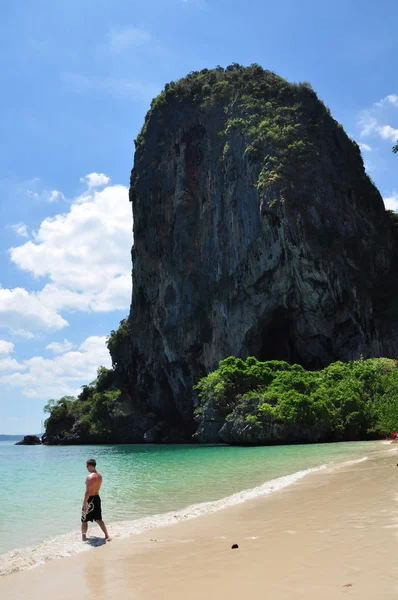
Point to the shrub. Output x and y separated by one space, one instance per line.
93 412
353 400
119 335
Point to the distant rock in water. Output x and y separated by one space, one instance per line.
257 232
29 440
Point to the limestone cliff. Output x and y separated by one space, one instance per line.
256 232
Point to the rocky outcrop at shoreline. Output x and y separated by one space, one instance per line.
29 440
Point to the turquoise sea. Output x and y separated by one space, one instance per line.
143 486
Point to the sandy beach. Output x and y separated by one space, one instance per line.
330 534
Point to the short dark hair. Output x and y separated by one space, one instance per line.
92 462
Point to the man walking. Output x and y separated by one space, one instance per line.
91 510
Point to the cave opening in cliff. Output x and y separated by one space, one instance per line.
276 338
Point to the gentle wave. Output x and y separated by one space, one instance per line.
70 543
348 463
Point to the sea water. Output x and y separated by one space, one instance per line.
42 488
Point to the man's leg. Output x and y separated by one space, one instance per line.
84 531
104 529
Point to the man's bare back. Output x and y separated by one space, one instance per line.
93 483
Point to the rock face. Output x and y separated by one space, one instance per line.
29 440
256 232
237 430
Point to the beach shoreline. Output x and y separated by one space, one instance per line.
329 533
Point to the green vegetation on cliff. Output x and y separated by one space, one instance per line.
280 122
93 414
260 402
117 339
345 401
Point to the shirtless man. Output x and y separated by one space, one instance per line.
91 510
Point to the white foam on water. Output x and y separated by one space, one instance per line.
70 543
348 463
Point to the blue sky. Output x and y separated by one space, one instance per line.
77 79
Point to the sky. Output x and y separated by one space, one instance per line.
77 80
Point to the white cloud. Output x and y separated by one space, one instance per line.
54 195
85 256
367 123
34 190
10 364
33 194
60 347
61 375
390 99
20 229
393 99
387 132
121 39
365 147
23 333
20 309
6 347
115 295
93 180
372 121
82 249
391 202
58 298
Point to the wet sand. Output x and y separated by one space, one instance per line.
330 535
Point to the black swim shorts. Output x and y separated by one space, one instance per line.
93 511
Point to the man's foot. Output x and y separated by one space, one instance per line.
84 537
108 539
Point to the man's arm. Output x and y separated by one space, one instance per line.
89 485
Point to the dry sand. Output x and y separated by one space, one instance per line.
330 535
